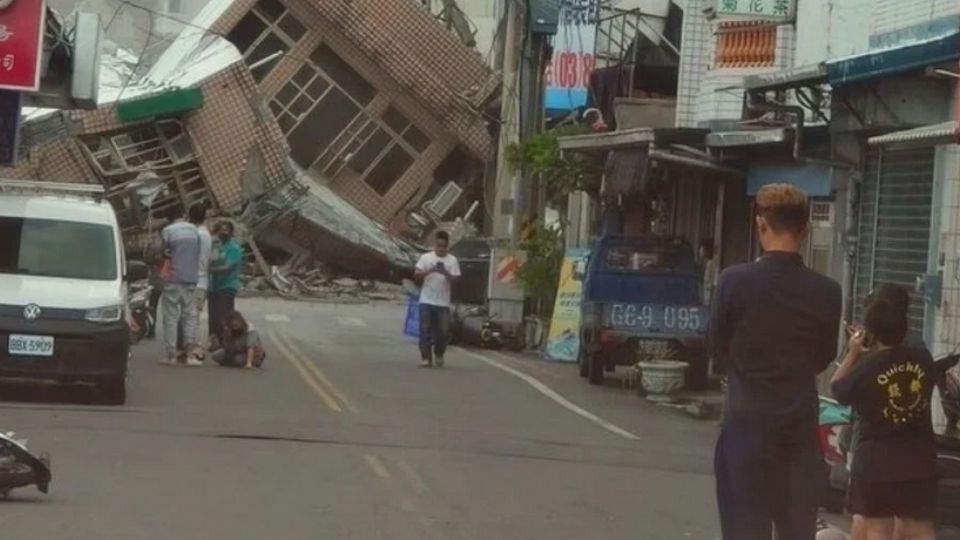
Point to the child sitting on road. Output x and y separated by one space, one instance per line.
241 346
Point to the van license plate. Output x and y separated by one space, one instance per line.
30 345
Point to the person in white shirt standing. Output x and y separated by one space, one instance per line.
437 271
198 217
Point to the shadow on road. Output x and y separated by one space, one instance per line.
46 393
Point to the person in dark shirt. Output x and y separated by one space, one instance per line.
774 325
889 385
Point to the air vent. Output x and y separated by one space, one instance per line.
444 201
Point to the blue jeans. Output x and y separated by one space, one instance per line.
434 331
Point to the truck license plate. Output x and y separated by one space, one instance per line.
30 345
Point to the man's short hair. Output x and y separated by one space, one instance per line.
443 235
227 225
784 207
198 213
886 322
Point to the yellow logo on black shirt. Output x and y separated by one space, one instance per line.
903 388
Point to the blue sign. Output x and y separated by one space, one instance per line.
9 127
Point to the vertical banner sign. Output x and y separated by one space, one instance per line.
21 45
568 73
9 127
563 341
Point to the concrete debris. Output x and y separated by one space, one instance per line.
304 281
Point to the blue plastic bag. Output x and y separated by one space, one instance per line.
411 323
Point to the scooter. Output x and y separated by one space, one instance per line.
835 431
142 321
19 468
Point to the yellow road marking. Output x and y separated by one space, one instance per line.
306 375
377 466
317 372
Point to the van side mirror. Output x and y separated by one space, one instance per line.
137 271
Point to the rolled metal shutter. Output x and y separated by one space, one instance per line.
894 225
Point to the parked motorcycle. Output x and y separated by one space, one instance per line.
835 430
142 322
19 468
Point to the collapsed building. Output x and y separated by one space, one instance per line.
324 129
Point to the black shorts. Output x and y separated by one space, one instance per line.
912 499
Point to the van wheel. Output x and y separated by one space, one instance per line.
582 362
594 369
114 391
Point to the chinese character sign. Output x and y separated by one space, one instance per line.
21 45
568 73
764 9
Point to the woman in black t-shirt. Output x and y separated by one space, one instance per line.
893 477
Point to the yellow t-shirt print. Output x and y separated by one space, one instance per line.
903 387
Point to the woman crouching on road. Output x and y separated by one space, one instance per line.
893 486
241 346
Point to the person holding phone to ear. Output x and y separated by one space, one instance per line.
893 485
437 270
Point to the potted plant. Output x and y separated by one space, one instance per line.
661 373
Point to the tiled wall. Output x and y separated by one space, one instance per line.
696 56
891 15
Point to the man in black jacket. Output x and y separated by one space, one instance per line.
774 326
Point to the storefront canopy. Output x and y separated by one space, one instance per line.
932 135
894 60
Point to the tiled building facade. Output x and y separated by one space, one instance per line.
371 95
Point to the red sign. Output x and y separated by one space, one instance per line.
21 45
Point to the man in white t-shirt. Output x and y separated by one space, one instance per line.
437 271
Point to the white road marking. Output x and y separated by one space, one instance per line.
552 394
351 321
276 317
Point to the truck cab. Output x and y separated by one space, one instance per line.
637 291
62 287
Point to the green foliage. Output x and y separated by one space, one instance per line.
541 272
561 174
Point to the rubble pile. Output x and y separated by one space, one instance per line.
305 281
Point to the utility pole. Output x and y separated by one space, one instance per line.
504 211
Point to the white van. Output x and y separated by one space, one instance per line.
62 287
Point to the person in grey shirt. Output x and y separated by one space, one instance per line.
182 247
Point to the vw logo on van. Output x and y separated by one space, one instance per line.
31 312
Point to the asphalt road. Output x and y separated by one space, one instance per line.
342 436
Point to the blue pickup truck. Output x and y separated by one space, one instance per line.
637 290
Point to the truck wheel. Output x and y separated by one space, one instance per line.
582 361
595 368
114 391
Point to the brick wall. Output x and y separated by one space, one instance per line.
696 54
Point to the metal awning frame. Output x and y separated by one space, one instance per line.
801 76
923 136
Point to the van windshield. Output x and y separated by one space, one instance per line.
54 248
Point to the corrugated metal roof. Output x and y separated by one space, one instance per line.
932 135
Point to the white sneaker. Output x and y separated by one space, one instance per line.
424 363
440 361
193 362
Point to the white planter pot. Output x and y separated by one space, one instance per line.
661 379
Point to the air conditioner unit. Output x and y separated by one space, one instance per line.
444 201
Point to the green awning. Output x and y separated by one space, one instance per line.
544 16
168 103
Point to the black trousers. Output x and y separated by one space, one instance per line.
768 474
434 331
219 303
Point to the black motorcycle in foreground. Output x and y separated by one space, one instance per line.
19 468
142 322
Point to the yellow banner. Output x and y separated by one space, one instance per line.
563 341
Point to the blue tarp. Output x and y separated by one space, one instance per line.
814 180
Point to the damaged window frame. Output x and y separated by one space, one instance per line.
168 149
276 25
